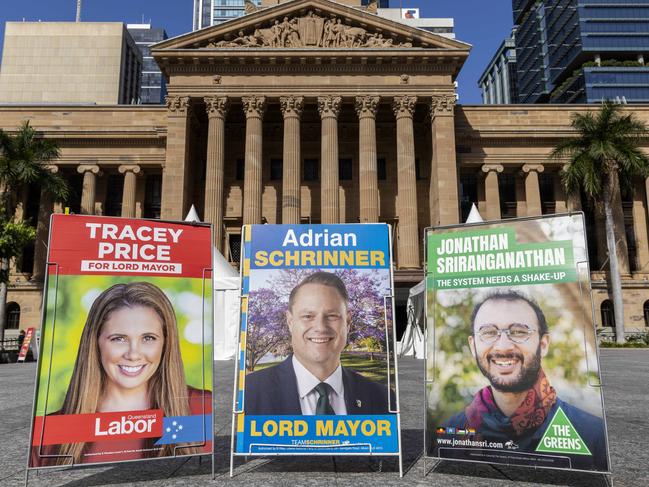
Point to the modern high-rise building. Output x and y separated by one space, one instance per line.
69 62
574 51
152 86
498 82
213 12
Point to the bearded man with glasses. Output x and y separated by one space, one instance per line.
509 339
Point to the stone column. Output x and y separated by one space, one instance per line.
491 190
366 108
329 109
254 107
176 170
532 189
130 172
217 107
640 229
90 173
292 107
408 245
444 198
45 210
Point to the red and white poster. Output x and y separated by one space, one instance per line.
24 347
126 342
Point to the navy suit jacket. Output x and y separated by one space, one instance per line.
274 391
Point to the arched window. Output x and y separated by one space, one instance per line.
13 316
608 315
645 311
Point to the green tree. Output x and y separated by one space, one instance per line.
602 159
23 161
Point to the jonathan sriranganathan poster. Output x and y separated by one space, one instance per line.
125 371
317 370
512 369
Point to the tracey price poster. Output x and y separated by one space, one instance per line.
512 370
126 365
317 371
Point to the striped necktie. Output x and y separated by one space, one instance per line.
323 406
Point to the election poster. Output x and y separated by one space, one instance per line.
125 371
512 369
317 372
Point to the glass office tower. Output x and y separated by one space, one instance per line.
212 12
152 86
581 51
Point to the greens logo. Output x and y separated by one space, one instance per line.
562 437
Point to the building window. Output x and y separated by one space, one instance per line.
114 189
345 169
381 169
311 169
276 167
234 247
608 315
645 312
152 196
27 258
507 190
240 169
75 183
418 175
546 187
13 316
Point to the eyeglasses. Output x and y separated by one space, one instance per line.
516 332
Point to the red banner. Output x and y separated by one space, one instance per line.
77 428
24 348
118 246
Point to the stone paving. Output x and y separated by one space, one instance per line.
626 381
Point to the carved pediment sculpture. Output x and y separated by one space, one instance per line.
309 30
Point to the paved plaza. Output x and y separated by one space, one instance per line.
626 381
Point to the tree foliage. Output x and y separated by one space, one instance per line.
607 141
603 157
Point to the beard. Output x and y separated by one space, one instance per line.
525 379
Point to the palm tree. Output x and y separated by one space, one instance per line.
23 161
603 158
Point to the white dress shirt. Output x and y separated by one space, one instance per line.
306 383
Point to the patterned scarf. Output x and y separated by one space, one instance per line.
529 415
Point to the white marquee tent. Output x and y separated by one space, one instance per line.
226 302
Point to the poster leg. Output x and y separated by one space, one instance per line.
400 464
609 479
26 476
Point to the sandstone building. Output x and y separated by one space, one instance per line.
317 112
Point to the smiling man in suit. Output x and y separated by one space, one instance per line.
312 380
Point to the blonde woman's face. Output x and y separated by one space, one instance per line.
131 343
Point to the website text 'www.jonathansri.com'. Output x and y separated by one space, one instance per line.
468 442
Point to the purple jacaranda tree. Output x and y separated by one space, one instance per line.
267 328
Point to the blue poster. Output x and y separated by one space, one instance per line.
317 369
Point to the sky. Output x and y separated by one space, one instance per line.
482 23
